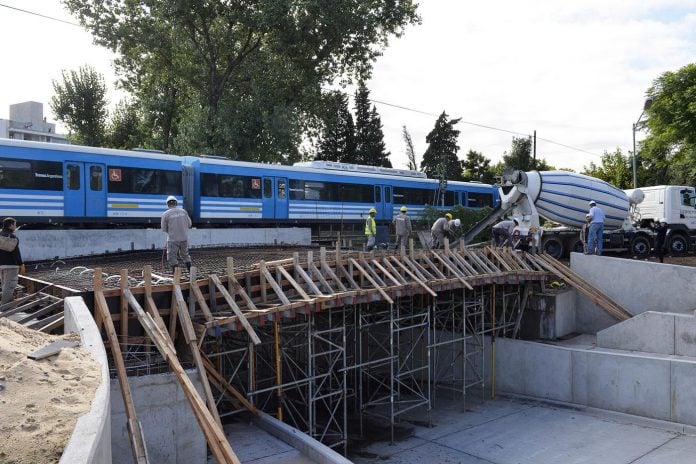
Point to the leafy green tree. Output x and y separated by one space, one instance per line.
410 151
80 103
241 79
369 138
668 153
615 168
337 141
125 128
440 158
520 156
478 167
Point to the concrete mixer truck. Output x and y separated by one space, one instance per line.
562 197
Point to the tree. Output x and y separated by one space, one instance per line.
615 168
125 129
478 167
410 151
440 158
80 103
520 156
369 138
240 78
337 141
668 153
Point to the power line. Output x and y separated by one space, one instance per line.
39 14
484 126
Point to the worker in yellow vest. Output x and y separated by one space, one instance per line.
371 229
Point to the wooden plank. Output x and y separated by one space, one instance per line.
274 285
41 312
293 282
123 284
172 307
13 304
150 306
454 271
217 442
386 273
200 299
100 306
307 279
48 324
237 311
414 277
226 387
51 349
26 307
369 278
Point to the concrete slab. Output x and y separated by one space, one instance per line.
685 335
649 332
512 431
252 444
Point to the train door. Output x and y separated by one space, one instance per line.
275 198
383 202
85 190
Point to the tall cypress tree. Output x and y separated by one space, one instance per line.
337 142
369 138
440 158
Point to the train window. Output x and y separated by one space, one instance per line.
413 196
479 200
378 194
32 175
281 189
267 188
297 189
450 198
220 185
140 180
95 178
73 182
356 193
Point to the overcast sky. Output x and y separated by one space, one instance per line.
576 71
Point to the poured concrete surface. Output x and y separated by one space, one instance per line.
517 431
253 445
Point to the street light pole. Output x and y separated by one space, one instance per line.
646 105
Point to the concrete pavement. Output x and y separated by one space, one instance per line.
519 431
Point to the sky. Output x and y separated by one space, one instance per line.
574 71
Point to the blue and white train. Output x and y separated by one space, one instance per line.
69 184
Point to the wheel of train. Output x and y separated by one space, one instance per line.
640 246
678 245
553 246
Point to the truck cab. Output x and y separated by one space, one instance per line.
677 204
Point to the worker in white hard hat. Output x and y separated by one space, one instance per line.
176 224
441 231
596 229
402 227
371 229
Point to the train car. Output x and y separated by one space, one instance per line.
69 184
318 192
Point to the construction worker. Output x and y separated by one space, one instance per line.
502 232
441 230
176 224
402 227
371 229
596 228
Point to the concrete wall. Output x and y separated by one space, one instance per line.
655 386
172 434
653 332
38 245
638 286
549 315
90 442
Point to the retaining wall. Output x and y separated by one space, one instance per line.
638 286
39 245
90 442
172 434
643 384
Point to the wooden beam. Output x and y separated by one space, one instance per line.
372 281
123 284
226 387
237 311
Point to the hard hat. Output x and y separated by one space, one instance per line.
171 198
588 216
516 222
372 210
663 220
592 203
403 209
448 216
457 222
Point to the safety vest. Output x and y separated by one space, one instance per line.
370 226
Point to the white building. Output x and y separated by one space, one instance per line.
27 122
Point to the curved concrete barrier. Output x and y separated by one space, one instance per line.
90 442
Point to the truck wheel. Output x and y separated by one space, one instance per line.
640 247
576 246
678 245
553 247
